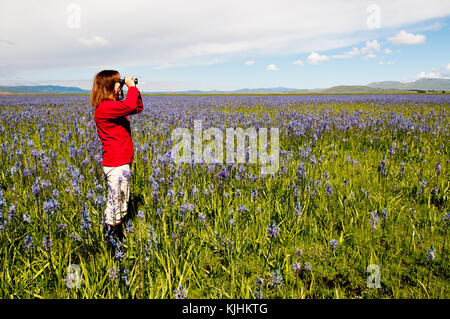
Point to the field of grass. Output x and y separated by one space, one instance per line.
363 180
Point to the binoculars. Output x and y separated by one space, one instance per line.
122 83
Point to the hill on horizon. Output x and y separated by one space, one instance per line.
387 87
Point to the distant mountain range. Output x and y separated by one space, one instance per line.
421 85
42 89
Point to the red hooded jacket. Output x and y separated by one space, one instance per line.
113 127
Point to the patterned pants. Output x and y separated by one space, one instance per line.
118 193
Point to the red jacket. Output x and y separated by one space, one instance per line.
113 127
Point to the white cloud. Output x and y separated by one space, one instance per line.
405 38
298 62
442 72
390 62
387 51
249 63
370 47
381 62
433 27
272 67
316 58
354 51
367 50
93 41
347 55
178 32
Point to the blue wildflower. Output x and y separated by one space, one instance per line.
272 230
129 227
46 243
28 242
180 293
276 279
333 244
431 253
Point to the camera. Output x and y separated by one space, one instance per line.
122 82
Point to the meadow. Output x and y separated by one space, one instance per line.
363 180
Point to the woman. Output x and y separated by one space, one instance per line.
113 128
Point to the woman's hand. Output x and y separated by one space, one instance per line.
129 81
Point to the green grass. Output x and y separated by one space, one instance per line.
211 266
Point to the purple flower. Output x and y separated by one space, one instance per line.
113 274
374 219
423 183
129 228
86 222
152 240
186 207
74 237
276 279
438 168
298 210
180 293
126 272
223 173
382 168
201 218
329 190
51 206
431 253
36 188
46 243
242 208
296 268
272 230
258 293
127 174
26 218
28 242
446 217
333 244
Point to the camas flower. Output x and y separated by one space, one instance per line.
51 206
333 244
296 268
272 230
28 242
46 243
329 190
180 293
431 253
438 168
276 279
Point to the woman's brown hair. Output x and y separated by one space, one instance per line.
103 88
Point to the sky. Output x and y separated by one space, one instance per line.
174 45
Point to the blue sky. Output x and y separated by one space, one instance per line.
225 45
